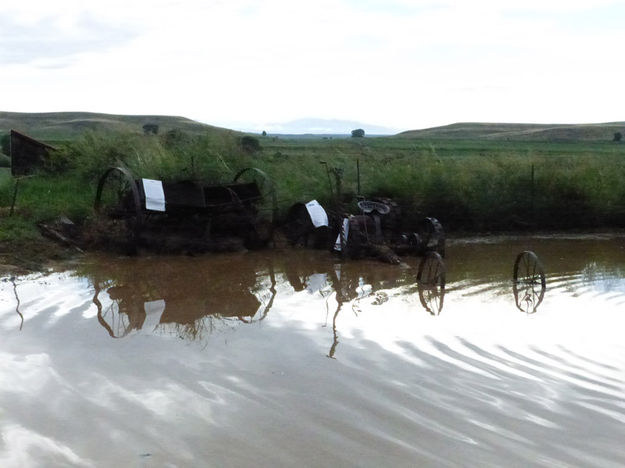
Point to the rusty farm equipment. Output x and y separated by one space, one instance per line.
375 230
185 215
372 227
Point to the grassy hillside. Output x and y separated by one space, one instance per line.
520 132
61 126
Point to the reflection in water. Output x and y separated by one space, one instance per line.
406 388
17 305
528 282
431 279
155 299
193 300
431 297
528 296
347 283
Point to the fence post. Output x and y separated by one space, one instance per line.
532 191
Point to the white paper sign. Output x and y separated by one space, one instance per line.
318 215
153 312
154 195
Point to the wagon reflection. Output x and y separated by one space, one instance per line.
192 299
156 298
348 287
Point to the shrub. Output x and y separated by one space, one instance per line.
250 144
150 129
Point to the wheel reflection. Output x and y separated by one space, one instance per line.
431 278
528 282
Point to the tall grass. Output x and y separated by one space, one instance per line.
475 186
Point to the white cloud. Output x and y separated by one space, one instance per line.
402 64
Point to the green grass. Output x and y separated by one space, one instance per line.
470 185
45 198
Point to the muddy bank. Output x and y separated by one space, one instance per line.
18 258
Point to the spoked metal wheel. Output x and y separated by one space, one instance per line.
431 282
528 269
528 282
432 236
118 199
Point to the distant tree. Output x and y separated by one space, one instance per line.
250 144
618 136
358 133
264 133
150 129
5 144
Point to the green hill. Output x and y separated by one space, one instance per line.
520 132
59 126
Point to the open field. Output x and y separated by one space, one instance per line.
471 184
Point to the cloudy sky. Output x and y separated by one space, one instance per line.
402 64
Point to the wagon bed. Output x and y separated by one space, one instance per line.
186 208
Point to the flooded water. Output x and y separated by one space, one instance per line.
292 358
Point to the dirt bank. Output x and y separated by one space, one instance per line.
19 258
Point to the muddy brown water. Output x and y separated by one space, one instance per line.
291 358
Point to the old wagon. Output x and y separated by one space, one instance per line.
186 214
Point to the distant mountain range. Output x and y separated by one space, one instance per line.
319 127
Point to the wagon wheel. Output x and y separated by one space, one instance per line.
432 236
266 187
431 282
528 282
118 198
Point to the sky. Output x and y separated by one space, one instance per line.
251 65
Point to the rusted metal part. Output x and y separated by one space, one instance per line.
194 215
266 187
27 154
130 209
432 236
299 229
376 232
